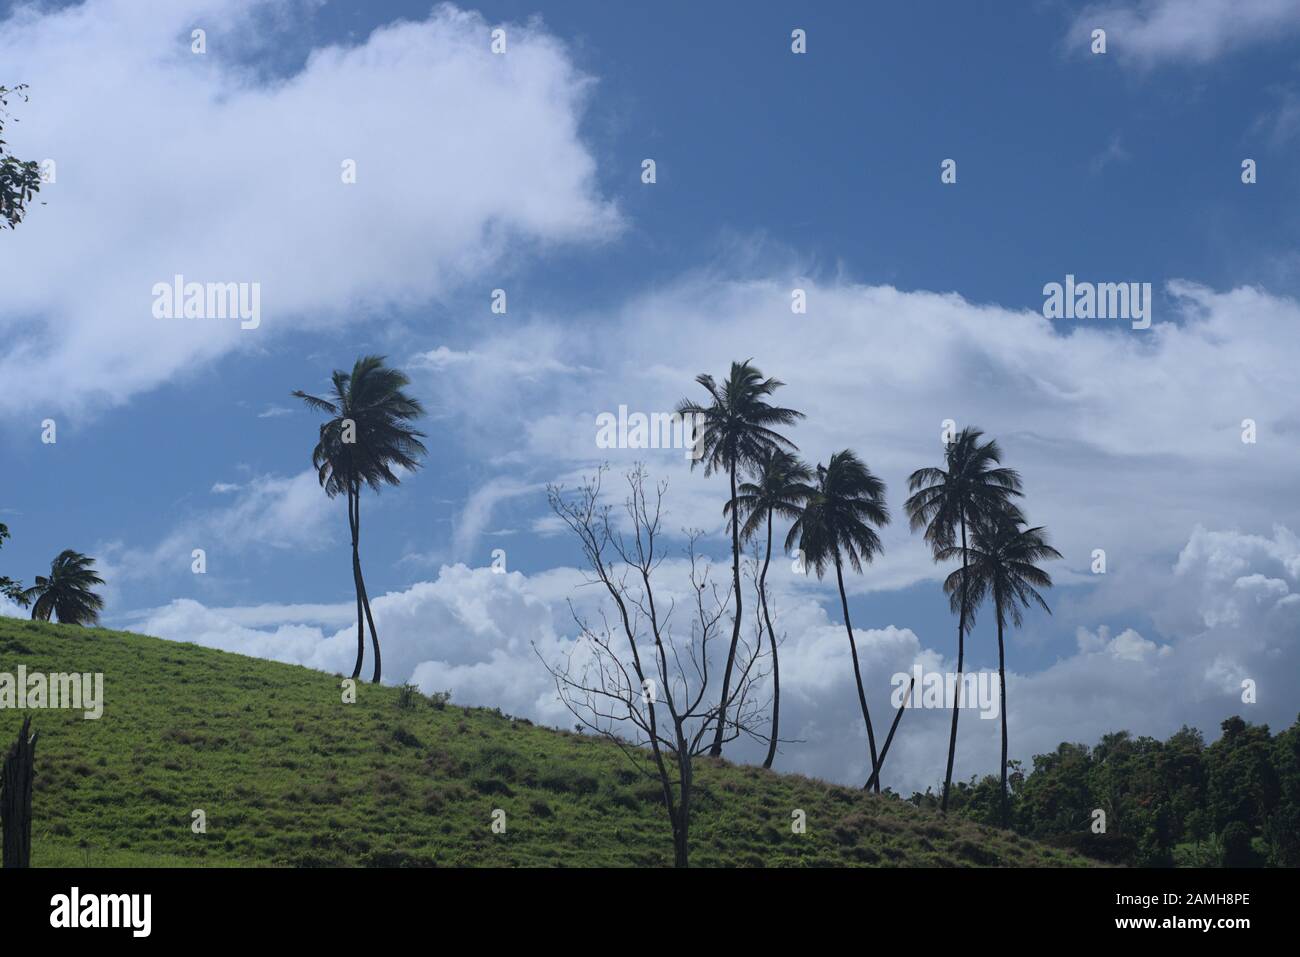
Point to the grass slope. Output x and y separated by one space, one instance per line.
290 775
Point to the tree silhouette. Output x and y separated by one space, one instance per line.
365 440
68 592
1001 565
659 695
781 487
945 501
838 522
738 429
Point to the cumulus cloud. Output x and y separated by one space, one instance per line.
1104 423
462 157
473 631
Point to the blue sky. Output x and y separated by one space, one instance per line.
775 171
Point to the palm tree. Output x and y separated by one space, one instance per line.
944 502
836 524
67 593
781 488
365 439
737 431
1002 565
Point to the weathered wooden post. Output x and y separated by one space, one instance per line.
16 799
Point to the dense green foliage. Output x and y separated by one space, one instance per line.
1234 803
288 774
20 180
68 594
10 588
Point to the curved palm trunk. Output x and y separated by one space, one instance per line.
356 580
716 750
1002 691
961 661
776 671
857 673
365 599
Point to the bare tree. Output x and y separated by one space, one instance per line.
637 676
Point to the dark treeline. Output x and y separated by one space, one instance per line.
1233 803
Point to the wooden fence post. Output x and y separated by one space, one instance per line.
16 799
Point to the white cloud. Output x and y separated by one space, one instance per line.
1103 422
462 158
1192 31
472 631
474 517
1128 645
267 512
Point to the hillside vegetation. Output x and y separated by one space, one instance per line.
289 775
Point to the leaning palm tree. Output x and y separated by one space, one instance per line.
1002 565
68 593
781 487
945 501
365 439
836 524
738 429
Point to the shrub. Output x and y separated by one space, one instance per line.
1237 851
407 696
440 699
404 737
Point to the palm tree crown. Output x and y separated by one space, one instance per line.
373 400
1002 565
970 485
837 520
781 486
739 424
68 591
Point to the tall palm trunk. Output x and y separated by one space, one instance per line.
1002 691
776 671
961 661
374 635
716 750
356 580
365 599
857 672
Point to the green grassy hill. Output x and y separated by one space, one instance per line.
288 774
